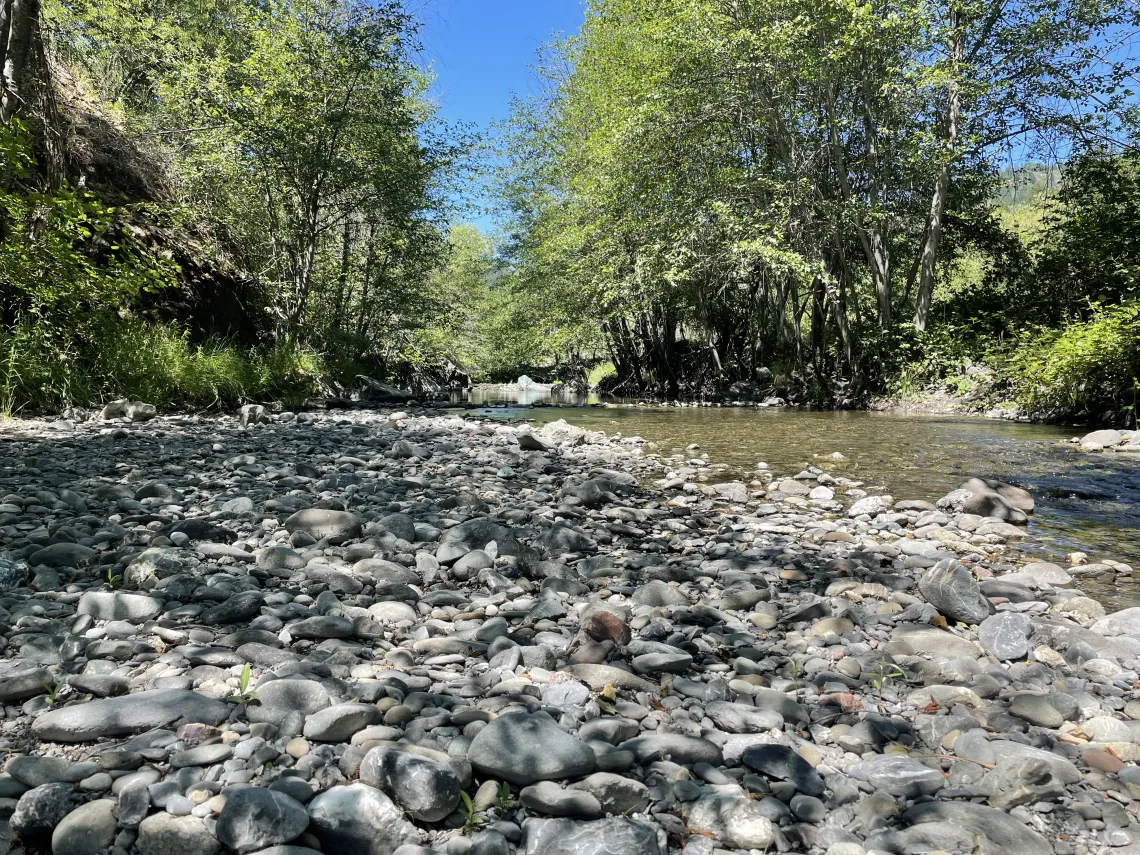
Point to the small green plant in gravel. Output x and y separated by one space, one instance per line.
471 818
244 695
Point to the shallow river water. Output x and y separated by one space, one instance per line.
1085 502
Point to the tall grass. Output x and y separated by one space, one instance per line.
43 370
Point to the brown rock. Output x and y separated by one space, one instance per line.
1102 760
606 626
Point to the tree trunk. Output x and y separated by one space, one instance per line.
19 55
942 185
5 29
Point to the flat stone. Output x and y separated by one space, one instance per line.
128 714
616 836
899 775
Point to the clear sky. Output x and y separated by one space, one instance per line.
483 52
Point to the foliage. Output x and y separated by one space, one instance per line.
471 818
1083 372
64 253
600 373
1089 250
729 186
46 370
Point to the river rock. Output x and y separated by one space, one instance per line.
358 819
319 524
21 679
524 748
278 698
784 764
1006 635
952 589
616 836
870 506
997 832
674 747
1099 439
742 718
128 714
164 834
63 555
87 830
41 809
1125 622
117 605
939 643
734 821
256 817
237 609
420 781
899 775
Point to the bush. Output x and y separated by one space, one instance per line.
1084 372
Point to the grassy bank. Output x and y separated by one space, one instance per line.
44 369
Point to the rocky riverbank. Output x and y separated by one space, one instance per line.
381 633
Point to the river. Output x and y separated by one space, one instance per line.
1085 502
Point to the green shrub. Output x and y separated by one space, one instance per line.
600 373
44 370
1084 372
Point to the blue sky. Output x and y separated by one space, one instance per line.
483 51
